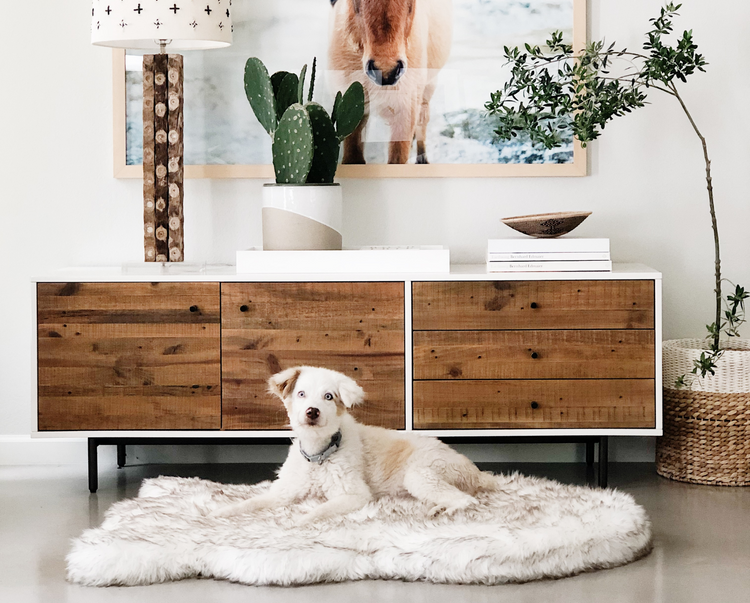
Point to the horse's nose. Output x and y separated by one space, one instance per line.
312 413
385 78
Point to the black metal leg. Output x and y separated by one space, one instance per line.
590 453
603 460
121 455
93 466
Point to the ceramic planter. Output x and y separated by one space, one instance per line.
302 216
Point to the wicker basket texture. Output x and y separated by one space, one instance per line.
707 427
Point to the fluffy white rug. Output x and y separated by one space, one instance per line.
534 528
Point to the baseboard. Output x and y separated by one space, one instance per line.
25 450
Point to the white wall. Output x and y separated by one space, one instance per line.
61 206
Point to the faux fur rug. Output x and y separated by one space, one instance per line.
534 528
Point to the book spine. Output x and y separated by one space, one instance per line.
547 245
496 256
572 266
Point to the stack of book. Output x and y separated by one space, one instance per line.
548 255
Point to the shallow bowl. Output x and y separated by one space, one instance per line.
547 226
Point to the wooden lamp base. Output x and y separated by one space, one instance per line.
163 150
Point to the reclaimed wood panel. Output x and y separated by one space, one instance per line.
149 167
584 354
161 157
524 404
533 305
355 328
176 151
129 356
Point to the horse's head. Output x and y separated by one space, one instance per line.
384 27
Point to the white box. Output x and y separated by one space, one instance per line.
366 260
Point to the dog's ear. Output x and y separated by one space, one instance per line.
350 393
282 384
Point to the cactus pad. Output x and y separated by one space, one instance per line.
287 95
350 110
293 146
276 81
335 110
326 145
259 92
301 85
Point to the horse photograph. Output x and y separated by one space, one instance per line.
427 68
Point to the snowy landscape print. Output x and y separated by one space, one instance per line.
220 128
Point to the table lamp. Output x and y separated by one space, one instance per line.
156 24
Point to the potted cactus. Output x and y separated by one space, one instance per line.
303 209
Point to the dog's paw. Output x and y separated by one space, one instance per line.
453 506
436 510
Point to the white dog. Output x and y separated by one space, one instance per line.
350 464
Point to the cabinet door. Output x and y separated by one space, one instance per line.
355 328
114 356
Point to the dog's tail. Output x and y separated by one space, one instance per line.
488 481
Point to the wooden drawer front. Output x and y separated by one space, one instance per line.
586 354
533 305
355 328
128 356
520 404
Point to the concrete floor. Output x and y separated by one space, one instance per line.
702 544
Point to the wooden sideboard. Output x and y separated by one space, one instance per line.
465 353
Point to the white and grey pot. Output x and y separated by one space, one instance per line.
302 216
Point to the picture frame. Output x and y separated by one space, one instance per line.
577 167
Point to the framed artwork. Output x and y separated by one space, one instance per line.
426 109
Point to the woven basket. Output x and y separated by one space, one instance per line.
707 427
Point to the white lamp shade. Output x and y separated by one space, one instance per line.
189 24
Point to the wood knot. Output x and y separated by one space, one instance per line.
455 372
494 304
70 289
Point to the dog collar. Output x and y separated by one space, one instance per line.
320 458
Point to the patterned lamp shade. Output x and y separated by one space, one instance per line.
189 24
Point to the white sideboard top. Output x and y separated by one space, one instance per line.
147 272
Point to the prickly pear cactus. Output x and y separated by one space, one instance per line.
293 146
306 139
325 145
260 94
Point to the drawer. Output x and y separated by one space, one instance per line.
128 356
524 404
625 304
356 328
585 354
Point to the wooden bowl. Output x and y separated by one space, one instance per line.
547 226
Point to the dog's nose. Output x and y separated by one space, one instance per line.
385 78
312 413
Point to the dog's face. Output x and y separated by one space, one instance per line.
315 398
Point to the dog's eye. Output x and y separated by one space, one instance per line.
329 396
301 394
